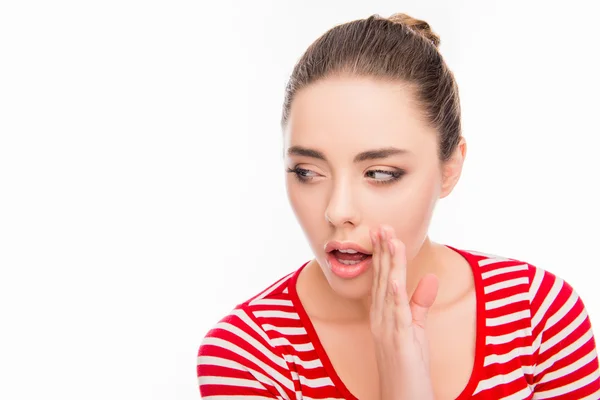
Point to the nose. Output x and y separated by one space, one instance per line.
341 209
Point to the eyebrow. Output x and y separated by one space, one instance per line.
375 154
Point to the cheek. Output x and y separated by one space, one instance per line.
299 199
410 211
307 207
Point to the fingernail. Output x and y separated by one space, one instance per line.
392 247
383 234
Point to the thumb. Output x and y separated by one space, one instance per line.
423 298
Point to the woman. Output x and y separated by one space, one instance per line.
372 130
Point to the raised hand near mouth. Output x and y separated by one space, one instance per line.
398 323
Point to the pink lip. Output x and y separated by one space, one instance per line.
335 245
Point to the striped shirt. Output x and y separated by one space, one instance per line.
534 341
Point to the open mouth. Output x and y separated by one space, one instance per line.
348 263
349 257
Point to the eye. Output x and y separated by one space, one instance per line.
303 175
383 177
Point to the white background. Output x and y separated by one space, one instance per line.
141 178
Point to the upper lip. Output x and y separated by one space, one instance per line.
335 245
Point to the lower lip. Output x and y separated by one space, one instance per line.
348 271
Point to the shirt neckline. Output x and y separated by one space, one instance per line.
480 332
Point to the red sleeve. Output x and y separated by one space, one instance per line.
565 358
236 358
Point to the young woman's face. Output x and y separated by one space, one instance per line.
362 155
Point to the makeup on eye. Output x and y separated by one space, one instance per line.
393 175
303 175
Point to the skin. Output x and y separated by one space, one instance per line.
340 117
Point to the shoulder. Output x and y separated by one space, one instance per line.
246 341
251 320
503 277
535 313
516 289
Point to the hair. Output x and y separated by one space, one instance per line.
396 49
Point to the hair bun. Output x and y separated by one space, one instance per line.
419 26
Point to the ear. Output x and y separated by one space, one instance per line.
452 169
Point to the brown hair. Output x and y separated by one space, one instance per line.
398 48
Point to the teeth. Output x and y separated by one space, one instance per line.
350 251
348 262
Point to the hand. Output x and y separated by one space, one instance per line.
397 324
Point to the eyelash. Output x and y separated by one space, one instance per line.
395 175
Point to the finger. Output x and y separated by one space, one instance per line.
376 270
385 288
423 298
402 313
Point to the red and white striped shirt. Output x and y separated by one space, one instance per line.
534 341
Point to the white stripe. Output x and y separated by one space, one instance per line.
504 358
571 387
537 342
535 283
295 376
506 319
316 383
274 286
300 347
492 258
520 395
272 302
276 314
223 362
285 330
270 371
220 362
509 337
548 300
227 381
504 270
492 305
504 285
498 380
528 369
230 397
306 364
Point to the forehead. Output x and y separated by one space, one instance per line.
360 111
